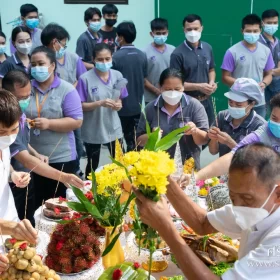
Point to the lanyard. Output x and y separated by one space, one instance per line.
40 105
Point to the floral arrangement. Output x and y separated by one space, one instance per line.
74 246
205 185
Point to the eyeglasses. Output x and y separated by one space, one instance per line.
62 45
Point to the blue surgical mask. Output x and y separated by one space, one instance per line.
3 49
251 38
59 54
103 67
117 42
32 23
270 28
23 104
160 39
40 73
237 113
274 127
95 26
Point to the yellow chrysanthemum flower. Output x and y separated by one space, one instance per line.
132 210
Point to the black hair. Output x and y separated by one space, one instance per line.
109 9
53 31
251 20
27 8
263 159
2 35
275 101
159 24
127 30
15 77
47 51
270 14
10 111
90 12
99 48
170 73
18 30
192 18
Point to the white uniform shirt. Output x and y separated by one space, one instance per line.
259 252
7 204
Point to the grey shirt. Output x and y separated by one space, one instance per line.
250 124
85 46
193 63
192 111
102 125
157 62
62 101
132 63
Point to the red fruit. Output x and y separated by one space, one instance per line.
76 215
65 261
84 229
61 199
89 195
91 263
12 241
80 262
59 245
77 252
57 210
67 269
91 238
23 246
86 249
136 265
49 262
117 274
78 239
65 253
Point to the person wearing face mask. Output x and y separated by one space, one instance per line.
268 134
158 55
174 109
194 58
3 47
108 31
249 59
253 217
25 158
270 20
132 63
239 119
55 111
101 91
30 19
21 38
92 36
9 125
69 68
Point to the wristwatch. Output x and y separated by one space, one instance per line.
264 83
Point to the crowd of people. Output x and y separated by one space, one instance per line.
57 106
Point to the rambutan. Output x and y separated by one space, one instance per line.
77 252
91 238
65 252
91 263
65 261
84 229
78 239
57 267
86 249
80 262
67 269
49 261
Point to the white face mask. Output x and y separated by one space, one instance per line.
246 217
6 141
24 48
172 97
193 36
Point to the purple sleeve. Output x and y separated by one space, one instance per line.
72 106
12 48
124 93
270 63
81 69
249 139
228 62
82 90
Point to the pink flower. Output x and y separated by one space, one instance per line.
200 183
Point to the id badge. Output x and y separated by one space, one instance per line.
36 132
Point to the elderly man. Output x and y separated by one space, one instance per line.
254 217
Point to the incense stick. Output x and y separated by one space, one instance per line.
49 155
26 199
215 110
58 181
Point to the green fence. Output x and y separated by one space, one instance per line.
221 21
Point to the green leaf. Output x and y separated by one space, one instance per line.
153 140
94 189
63 222
148 129
80 195
92 210
169 140
121 165
111 245
76 206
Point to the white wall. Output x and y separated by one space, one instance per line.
141 12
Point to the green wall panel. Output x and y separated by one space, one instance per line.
222 25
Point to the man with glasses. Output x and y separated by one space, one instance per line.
108 31
30 18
